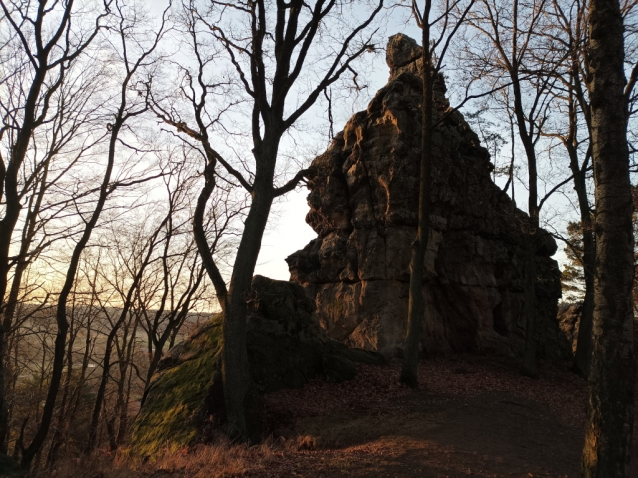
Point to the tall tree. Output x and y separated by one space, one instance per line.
429 72
508 34
131 105
47 43
416 308
269 63
610 408
569 33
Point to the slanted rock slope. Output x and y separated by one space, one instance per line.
363 206
286 348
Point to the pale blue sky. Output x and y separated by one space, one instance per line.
287 230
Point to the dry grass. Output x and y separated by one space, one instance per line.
218 460
373 426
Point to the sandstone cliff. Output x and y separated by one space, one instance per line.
363 206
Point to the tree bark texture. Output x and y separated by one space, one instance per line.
610 411
235 368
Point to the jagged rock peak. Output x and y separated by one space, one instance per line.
403 54
363 205
400 52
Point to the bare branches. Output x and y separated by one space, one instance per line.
292 184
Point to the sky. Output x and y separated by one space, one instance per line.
287 230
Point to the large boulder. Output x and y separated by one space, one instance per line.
363 206
286 348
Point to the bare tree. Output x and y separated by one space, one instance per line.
142 255
82 316
430 72
174 285
570 34
267 62
510 32
129 107
48 44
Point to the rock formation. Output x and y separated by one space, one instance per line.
569 315
363 206
286 348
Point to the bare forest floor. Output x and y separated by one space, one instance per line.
473 416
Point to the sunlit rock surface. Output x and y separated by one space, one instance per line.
363 206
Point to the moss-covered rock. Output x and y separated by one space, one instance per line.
286 348
174 404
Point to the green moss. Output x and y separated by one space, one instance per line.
172 414
286 348
338 307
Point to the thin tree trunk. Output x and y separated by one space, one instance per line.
63 408
4 409
106 366
235 368
61 318
12 207
416 306
582 357
610 412
124 387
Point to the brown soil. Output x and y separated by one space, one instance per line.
473 416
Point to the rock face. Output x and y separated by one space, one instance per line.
286 348
569 315
363 206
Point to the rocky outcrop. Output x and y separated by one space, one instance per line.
363 206
569 315
286 348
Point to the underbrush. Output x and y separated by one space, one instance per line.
221 459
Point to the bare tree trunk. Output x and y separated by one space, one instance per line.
269 122
106 364
4 409
610 412
416 306
34 112
61 314
63 407
529 352
235 369
582 357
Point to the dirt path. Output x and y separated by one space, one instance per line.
491 434
474 416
